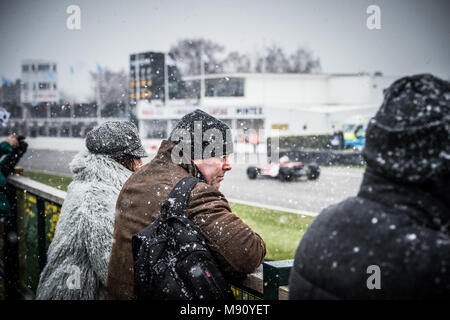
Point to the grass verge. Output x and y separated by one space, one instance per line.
280 230
56 181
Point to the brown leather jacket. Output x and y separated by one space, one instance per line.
234 244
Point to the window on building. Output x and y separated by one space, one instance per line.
60 110
16 111
42 129
43 67
114 110
44 85
85 110
25 68
224 87
77 130
53 132
33 130
176 86
193 89
54 68
132 72
54 86
246 124
65 129
155 129
38 111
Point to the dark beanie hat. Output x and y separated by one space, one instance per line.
206 136
409 137
115 139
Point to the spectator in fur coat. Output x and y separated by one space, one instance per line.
77 259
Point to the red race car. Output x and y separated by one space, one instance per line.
285 170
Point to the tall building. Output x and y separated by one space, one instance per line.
39 82
151 75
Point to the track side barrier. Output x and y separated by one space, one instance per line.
29 230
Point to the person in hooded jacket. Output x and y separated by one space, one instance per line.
77 258
392 240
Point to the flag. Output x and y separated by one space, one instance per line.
205 58
266 51
99 68
5 81
51 75
170 61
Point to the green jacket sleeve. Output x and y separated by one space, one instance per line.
5 151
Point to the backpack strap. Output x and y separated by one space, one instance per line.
176 202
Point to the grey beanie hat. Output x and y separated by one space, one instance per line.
115 139
206 136
409 137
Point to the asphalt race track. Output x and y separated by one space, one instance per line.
333 185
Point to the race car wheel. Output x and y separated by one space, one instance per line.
252 172
285 174
313 171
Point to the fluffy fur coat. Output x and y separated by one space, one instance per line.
77 259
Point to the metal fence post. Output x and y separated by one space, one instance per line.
42 248
11 248
275 274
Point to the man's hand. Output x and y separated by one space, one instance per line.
12 140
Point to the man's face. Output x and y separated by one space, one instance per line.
213 169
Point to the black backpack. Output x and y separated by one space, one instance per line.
171 259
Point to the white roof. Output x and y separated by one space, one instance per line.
275 75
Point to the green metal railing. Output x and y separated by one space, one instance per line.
28 232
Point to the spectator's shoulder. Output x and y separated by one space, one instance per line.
204 194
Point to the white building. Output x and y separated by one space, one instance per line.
293 104
39 82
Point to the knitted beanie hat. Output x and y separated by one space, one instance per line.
204 135
115 139
409 137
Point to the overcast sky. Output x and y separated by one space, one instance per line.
414 35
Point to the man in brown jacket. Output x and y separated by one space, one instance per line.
198 146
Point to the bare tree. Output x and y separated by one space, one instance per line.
236 62
111 86
302 61
189 52
272 60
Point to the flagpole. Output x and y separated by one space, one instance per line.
166 80
98 95
202 76
99 80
